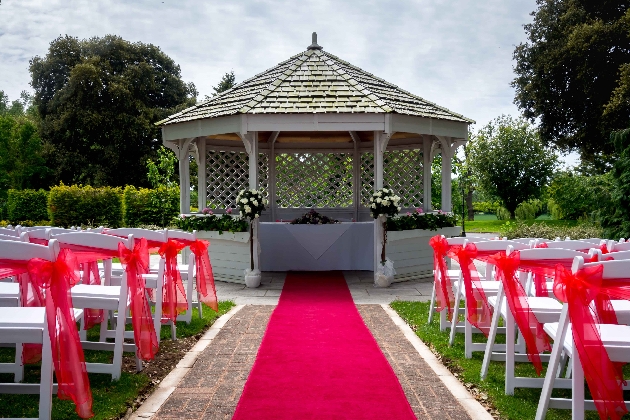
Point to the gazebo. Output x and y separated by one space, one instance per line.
314 132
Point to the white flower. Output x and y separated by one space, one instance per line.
378 200
253 191
398 208
248 209
373 206
378 194
257 216
386 203
265 202
242 214
244 200
255 202
386 197
371 214
241 192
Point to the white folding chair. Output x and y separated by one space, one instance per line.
618 246
24 325
545 309
188 274
9 232
452 276
616 340
490 288
568 244
107 297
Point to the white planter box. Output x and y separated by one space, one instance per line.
411 253
229 254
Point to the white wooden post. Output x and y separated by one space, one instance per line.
426 173
447 155
250 140
202 188
272 175
356 176
184 175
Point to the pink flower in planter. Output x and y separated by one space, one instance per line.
207 211
408 214
229 211
419 210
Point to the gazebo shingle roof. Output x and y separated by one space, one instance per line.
314 81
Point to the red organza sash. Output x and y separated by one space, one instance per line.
173 297
152 246
91 276
477 308
604 248
86 254
38 241
443 287
136 263
535 338
584 250
68 358
604 377
203 270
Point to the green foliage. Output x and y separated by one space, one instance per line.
384 203
162 173
573 196
79 205
529 210
617 219
519 229
486 206
150 207
99 100
573 74
228 81
225 223
23 205
418 220
509 161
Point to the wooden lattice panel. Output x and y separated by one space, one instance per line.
227 173
322 180
402 171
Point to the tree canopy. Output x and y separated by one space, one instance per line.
98 100
509 162
573 74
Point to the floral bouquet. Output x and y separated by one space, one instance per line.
384 203
313 218
251 205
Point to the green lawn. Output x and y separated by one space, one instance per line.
111 399
494 225
521 406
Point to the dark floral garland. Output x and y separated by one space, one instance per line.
314 218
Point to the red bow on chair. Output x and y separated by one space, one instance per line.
174 296
535 338
68 359
443 287
136 263
477 309
604 377
203 269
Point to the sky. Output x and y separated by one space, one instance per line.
456 53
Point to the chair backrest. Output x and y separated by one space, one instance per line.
527 240
99 229
569 244
94 240
22 238
617 246
596 241
618 269
458 240
619 255
9 232
500 245
552 254
57 231
27 229
150 235
180 234
23 251
39 234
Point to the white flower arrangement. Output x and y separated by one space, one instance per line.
250 204
384 203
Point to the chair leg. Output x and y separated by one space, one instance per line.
577 402
119 338
467 339
455 313
19 365
432 305
157 316
444 323
199 307
174 330
510 332
46 382
494 327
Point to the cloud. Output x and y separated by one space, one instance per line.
457 53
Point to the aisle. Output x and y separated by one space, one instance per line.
318 359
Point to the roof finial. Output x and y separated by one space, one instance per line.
314 45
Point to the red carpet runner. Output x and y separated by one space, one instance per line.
318 360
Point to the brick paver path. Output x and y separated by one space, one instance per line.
213 387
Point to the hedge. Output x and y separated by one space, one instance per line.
25 205
150 207
84 205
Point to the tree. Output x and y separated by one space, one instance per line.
162 173
99 100
509 161
228 81
573 74
616 220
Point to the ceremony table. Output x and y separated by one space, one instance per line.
341 246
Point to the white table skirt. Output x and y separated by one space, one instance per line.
345 246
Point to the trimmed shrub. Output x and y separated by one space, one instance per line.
573 196
417 220
150 207
486 206
224 223
25 205
513 230
78 205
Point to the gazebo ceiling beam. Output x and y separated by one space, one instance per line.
355 137
273 137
